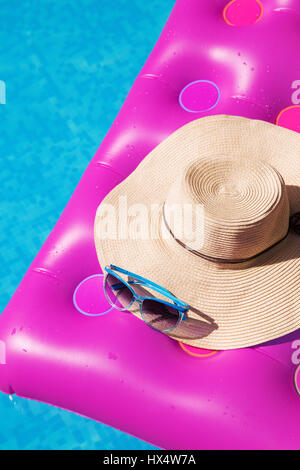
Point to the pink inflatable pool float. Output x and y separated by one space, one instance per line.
213 57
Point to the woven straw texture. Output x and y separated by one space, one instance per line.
245 174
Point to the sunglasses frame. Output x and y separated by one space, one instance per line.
181 306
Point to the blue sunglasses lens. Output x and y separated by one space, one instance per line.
159 316
118 294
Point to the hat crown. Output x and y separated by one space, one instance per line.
231 210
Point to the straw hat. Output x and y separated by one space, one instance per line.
238 263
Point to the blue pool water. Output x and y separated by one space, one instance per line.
65 67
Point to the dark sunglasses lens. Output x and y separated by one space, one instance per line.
117 292
159 316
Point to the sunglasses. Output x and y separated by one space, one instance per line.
159 314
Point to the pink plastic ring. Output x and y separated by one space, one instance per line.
199 96
289 118
243 12
197 352
88 297
297 379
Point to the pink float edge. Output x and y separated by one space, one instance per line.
113 368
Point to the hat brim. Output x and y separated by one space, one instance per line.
232 306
